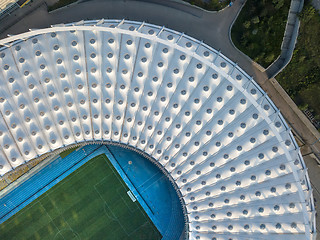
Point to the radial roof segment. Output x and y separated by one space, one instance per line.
210 127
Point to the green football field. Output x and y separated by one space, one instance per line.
91 203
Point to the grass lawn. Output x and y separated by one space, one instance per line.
91 203
301 78
67 152
211 5
259 29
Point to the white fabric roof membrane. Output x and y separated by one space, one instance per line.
213 129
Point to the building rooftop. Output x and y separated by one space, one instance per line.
233 158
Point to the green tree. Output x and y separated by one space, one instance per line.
246 24
269 58
304 106
278 4
307 13
255 20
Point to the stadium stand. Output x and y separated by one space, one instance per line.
29 190
8 6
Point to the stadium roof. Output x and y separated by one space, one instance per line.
206 122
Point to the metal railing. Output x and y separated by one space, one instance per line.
8 10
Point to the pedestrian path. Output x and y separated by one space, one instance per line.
289 39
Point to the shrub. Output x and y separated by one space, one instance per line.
259 29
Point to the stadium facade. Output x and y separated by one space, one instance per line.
211 129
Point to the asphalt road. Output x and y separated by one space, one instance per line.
316 4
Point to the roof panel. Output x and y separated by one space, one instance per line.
232 156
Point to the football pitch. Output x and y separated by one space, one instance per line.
91 203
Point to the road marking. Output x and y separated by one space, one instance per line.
131 196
